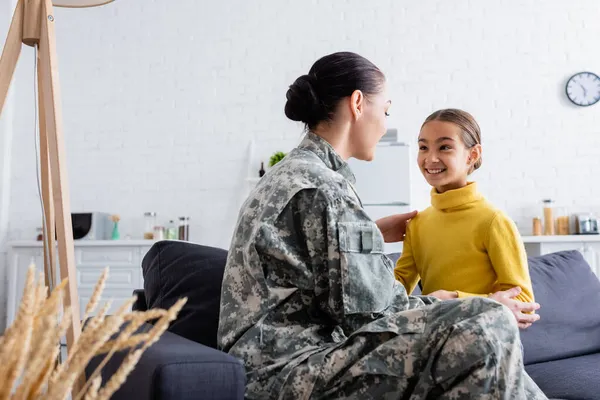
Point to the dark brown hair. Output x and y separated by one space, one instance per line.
313 98
470 131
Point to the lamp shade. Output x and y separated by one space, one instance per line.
79 3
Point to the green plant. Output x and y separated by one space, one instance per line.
276 157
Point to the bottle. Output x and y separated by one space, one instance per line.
150 223
40 234
115 235
548 218
184 228
261 171
172 231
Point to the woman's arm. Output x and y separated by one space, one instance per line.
330 248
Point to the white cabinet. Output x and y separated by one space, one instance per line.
124 259
588 245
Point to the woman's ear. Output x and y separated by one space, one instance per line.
357 100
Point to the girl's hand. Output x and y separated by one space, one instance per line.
444 295
517 307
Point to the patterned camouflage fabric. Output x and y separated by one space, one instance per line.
310 304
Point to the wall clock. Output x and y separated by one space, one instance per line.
583 89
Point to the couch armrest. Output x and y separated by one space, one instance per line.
177 368
140 304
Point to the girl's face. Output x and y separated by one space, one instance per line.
444 160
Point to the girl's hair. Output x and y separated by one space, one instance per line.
313 98
470 131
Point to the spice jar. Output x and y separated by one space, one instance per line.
548 217
184 228
149 223
40 234
537 226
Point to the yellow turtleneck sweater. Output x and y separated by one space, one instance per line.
463 244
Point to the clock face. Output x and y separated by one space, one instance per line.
583 89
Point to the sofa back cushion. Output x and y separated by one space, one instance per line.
569 294
175 269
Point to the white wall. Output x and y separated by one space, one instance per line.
161 99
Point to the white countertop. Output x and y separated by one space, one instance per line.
86 243
561 239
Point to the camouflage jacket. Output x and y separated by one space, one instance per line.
305 269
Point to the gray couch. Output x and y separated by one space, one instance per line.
562 350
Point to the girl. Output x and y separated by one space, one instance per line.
461 246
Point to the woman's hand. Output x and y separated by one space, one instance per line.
444 295
393 227
517 307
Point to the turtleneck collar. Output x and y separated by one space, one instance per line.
455 198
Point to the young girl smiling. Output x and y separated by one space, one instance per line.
462 245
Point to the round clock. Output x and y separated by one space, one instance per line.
583 89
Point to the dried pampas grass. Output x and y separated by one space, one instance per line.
29 348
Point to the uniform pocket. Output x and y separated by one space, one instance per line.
367 278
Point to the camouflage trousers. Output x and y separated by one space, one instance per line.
463 349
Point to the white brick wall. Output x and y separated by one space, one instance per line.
161 99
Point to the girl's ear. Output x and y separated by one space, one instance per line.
474 155
357 100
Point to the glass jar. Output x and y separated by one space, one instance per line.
149 224
562 221
40 234
184 228
548 217
159 233
172 233
537 219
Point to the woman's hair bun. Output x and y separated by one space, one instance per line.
303 101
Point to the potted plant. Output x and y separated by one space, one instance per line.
276 157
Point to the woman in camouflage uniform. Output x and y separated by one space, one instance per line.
309 300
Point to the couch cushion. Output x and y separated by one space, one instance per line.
576 378
569 295
174 269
